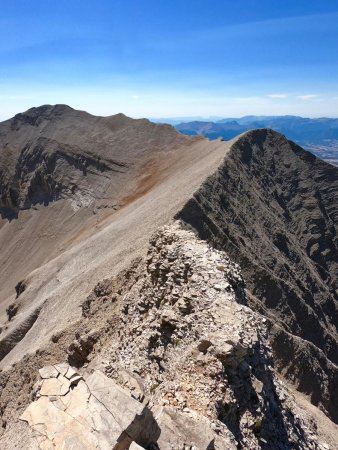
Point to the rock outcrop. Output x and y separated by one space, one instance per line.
70 412
190 366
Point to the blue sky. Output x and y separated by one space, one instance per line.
165 58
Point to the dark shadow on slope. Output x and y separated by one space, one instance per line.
273 207
269 427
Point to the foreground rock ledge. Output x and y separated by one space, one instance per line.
72 413
96 413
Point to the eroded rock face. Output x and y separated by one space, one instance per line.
47 171
273 207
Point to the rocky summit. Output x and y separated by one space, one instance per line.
164 292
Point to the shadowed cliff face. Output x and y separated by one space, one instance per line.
47 170
274 208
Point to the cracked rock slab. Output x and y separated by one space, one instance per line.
49 372
112 397
94 414
55 386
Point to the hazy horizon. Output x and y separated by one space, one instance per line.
192 118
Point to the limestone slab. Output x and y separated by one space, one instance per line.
93 414
48 372
55 386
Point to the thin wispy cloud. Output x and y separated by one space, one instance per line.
277 96
251 98
308 96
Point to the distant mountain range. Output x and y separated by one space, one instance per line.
320 136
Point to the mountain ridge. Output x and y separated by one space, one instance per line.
283 223
258 200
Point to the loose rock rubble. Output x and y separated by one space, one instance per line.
189 344
191 363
